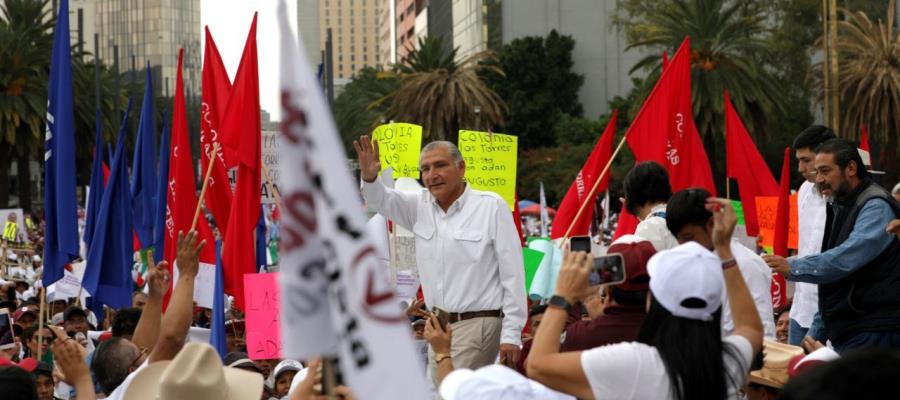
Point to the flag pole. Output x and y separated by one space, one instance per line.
594 188
212 160
41 323
727 188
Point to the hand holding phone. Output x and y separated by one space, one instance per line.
580 243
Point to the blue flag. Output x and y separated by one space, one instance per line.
61 235
261 247
217 325
144 180
96 193
162 186
107 276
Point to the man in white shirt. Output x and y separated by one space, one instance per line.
689 220
811 215
468 253
647 190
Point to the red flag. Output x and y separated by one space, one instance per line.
746 165
241 133
664 129
864 139
105 173
782 226
181 196
216 90
581 187
627 224
665 60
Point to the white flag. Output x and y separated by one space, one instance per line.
545 218
336 294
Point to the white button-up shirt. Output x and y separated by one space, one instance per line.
469 258
758 277
654 229
810 230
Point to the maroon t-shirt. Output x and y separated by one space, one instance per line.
617 324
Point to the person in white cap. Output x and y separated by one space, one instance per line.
680 353
283 376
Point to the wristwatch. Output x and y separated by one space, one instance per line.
557 301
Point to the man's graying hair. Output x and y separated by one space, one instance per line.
451 148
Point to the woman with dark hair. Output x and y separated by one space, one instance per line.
680 352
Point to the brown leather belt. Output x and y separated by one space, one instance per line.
456 317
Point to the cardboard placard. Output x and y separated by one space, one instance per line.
491 162
263 327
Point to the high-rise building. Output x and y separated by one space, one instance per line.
398 28
308 25
154 31
355 34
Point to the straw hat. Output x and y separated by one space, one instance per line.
195 373
776 360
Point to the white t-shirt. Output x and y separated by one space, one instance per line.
758 277
632 370
654 229
119 393
810 230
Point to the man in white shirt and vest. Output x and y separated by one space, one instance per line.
468 253
811 207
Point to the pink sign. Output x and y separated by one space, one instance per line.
262 313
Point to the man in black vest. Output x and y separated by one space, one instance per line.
858 271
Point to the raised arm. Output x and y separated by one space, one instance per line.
147 331
743 309
177 321
393 204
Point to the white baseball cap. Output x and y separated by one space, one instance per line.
494 382
687 280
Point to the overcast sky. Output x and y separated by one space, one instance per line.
229 23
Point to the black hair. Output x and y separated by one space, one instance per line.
693 373
812 137
17 384
647 182
687 207
126 321
136 294
844 151
111 363
628 298
870 373
537 310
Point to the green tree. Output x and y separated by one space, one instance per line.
539 86
443 95
362 106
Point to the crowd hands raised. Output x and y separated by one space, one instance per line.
141 352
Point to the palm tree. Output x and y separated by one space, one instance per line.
25 42
443 95
728 42
869 79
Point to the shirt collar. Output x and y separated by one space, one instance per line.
458 204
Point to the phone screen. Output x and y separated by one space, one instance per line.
608 269
7 340
580 243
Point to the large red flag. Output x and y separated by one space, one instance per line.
241 133
746 165
181 196
664 129
864 139
216 90
581 187
782 227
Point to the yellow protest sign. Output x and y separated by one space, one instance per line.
491 162
399 145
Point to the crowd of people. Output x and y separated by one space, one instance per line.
693 317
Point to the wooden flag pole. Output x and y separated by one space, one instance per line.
594 188
41 323
211 156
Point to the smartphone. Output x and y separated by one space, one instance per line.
608 270
442 316
7 334
580 243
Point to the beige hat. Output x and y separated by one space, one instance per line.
776 359
195 373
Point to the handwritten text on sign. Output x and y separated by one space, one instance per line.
491 162
263 310
399 145
766 212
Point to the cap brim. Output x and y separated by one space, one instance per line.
146 385
451 383
757 378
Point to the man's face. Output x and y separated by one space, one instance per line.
805 164
27 321
77 323
831 180
57 307
782 326
234 340
695 233
33 342
44 387
12 217
536 323
139 301
442 175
